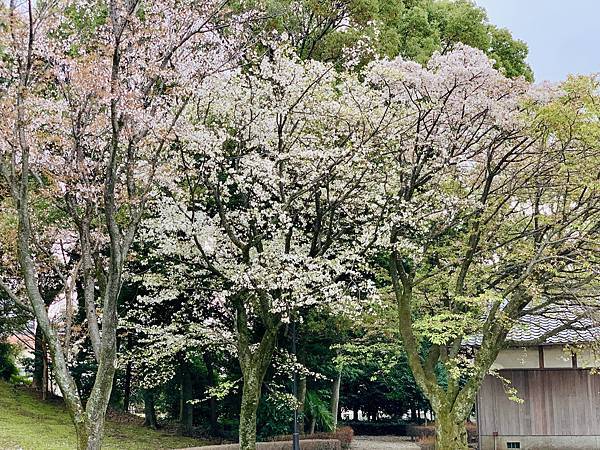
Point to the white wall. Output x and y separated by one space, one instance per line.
587 358
517 358
555 357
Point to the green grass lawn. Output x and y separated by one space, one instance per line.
29 424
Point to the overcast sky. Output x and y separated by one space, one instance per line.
563 35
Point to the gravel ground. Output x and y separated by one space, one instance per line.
383 443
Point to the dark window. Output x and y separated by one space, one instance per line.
513 445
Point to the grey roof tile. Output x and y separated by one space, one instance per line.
532 327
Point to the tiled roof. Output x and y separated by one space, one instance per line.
533 327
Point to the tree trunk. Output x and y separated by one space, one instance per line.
212 401
254 362
44 372
313 425
38 360
149 411
97 404
127 388
250 398
301 403
186 410
96 433
335 398
82 432
451 433
90 434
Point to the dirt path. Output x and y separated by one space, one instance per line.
383 443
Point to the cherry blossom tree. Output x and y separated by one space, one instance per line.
491 215
91 94
272 186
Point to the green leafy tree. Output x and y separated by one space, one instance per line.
494 216
415 29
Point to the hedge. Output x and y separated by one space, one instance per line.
342 434
377 428
307 444
422 432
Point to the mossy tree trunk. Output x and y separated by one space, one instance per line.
301 402
335 398
452 404
254 362
253 373
451 433
88 421
38 361
250 399
82 432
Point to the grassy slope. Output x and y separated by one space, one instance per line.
27 423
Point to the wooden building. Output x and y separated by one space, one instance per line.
558 389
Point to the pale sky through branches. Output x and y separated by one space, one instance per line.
563 35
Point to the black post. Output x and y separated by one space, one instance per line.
296 435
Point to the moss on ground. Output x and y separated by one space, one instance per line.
26 423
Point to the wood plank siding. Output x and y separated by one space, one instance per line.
557 402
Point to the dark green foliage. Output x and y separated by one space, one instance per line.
509 53
317 410
377 377
8 366
13 319
414 29
274 417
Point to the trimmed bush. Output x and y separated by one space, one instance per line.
420 431
307 444
342 434
377 428
427 433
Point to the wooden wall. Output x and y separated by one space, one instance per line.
556 402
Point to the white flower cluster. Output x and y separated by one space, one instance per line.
292 176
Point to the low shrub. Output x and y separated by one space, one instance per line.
422 433
307 444
342 434
274 417
377 428
426 442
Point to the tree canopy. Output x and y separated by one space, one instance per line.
413 29
185 185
